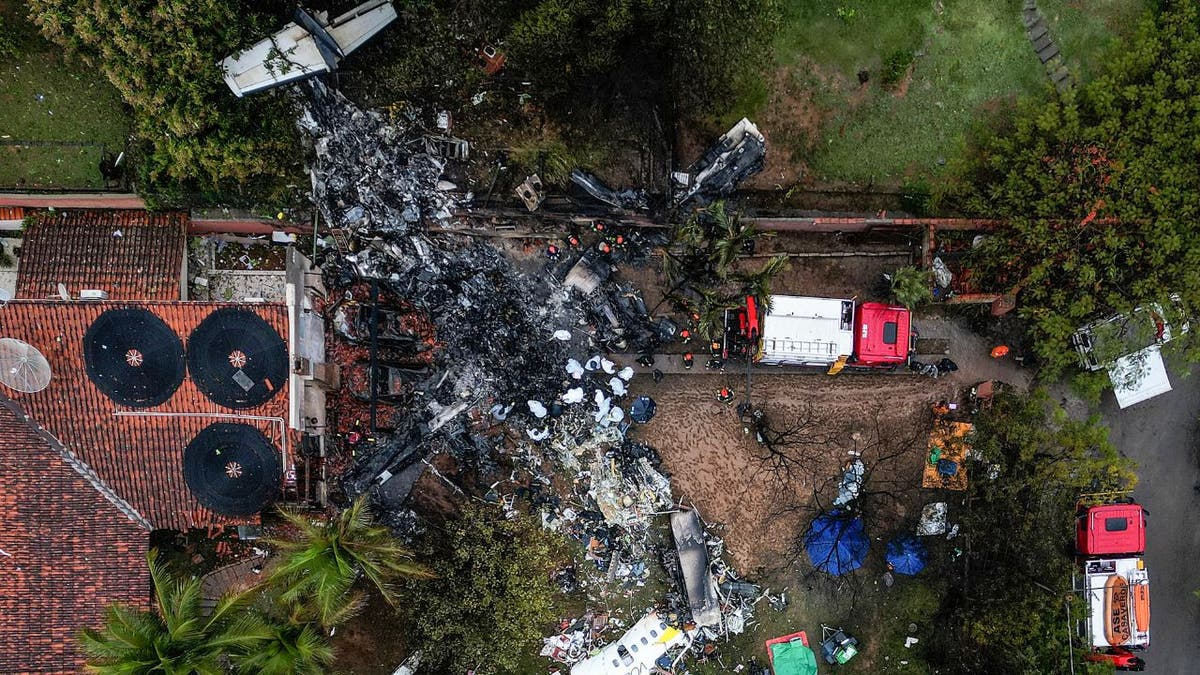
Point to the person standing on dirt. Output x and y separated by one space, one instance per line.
725 396
688 360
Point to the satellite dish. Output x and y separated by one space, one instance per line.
133 357
237 359
232 469
22 366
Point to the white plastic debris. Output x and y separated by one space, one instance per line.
574 369
536 407
617 385
933 519
616 415
539 434
593 364
603 406
852 480
573 395
608 366
910 641
562 335
626 373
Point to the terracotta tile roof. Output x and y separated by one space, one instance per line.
137 452
68 552
81 250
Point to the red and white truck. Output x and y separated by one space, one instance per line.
1110 540
806 331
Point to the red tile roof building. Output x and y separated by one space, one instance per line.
69 545
139 452
131 255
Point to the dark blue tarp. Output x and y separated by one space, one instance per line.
907 555
643 409
836 544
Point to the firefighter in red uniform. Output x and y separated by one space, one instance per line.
688 360
725 396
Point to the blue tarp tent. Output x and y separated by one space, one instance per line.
907 555
836 544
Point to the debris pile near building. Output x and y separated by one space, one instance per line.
490 364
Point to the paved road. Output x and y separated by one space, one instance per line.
1163 436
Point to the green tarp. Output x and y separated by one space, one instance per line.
793 658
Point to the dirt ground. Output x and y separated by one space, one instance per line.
714 464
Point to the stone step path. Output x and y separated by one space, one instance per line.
1044 46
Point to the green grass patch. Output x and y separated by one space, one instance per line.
1086 30
45 97
975 54
969 59
47 166
847 36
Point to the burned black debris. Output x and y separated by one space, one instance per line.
737 155
366 175
621 200
517 370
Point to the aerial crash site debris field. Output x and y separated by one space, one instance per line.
549 378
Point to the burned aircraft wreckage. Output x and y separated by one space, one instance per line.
519 361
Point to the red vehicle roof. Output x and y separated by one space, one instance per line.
882 335
1111 529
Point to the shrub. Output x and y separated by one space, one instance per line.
895 66
910 287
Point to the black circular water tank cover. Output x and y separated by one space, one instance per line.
232 469
237 359
133 357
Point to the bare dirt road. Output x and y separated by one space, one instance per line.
716 466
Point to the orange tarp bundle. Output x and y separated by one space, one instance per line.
948 442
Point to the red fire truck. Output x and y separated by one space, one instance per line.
1110 539
806 331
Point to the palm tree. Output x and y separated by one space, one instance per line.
292 649
320 566
175 638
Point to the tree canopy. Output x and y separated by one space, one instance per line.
492 598
1006 610
1101 190
320 565
192 134
177 636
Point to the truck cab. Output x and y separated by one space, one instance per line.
1110 530
882 335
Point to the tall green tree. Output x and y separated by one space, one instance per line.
492 598
320 566
1101 191
176 637
1006 611
703 269
291 649
192 134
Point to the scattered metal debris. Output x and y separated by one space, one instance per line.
622 200
531 193
310 45
737 155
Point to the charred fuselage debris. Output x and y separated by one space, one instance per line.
511 365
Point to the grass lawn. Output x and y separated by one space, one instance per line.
46 98
1085 30
969 57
